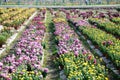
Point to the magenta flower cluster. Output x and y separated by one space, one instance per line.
68 40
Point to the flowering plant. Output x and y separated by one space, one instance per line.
57 20
107 42
116 20
77 62
18 18
25 60
106 25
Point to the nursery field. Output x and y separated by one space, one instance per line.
59 44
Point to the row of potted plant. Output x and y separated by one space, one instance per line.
106 25
116 20
17 20
10 14
90 13
7 10
77 62
108 44
24 62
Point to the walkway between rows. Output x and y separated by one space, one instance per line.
53 73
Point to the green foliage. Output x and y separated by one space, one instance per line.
44 45
5 34
2 40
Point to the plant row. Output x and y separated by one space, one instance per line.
107 43
7 10
116 20
24 62
8 14
90 13
77 62
106 25
15 22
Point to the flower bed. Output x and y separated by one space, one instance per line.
107 42
116 20
7 14
106 25
25 62
77 62
17 18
